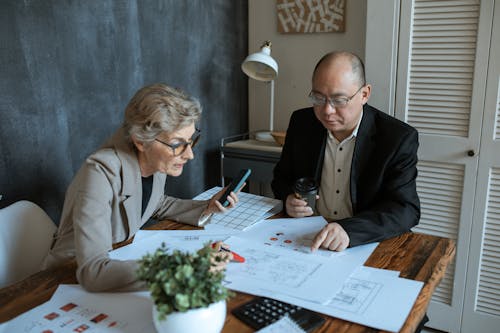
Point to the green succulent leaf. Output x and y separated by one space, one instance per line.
181 281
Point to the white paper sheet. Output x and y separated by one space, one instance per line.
353 292
279 269
285 324
375 298
250 209
371 297
295 234
219 233
332 283
72 309
184 240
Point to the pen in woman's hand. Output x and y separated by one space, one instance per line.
236 257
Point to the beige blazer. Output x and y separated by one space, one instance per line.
102 207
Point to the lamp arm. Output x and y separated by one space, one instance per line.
271 108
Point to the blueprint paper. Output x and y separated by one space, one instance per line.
374 298
295 234
72 309
337 285
365 293
307 276
359 292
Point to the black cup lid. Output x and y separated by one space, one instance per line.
305 184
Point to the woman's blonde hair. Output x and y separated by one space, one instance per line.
159 108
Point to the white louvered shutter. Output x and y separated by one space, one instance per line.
488 295
442 66
440 69
482 294
497 118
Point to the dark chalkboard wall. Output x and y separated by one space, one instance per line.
69 67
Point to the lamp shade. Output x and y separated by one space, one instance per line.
260 65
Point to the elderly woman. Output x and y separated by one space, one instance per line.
121 186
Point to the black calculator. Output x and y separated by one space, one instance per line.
262 311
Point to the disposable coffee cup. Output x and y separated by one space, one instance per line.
306 189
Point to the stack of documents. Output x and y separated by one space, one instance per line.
250 209
278 264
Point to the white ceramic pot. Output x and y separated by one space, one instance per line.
207 320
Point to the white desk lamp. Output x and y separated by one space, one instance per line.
262 67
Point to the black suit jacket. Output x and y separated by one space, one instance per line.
383 172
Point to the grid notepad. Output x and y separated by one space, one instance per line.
250 209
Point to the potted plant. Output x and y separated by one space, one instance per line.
186 289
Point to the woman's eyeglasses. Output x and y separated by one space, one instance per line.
180 147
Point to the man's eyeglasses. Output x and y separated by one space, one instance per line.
180 147
318 99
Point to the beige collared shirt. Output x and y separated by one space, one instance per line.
334 193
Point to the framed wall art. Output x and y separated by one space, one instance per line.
310 16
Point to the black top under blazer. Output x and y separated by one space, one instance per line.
383 172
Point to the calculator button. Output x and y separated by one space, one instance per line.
261 312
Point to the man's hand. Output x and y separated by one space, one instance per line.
297 207
332 237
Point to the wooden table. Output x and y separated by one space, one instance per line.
418 257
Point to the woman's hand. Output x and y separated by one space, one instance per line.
214 206
220 258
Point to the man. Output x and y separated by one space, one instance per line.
363 160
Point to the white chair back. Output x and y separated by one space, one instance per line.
25 237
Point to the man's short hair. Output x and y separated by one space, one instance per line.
357 65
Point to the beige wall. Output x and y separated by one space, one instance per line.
296 55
